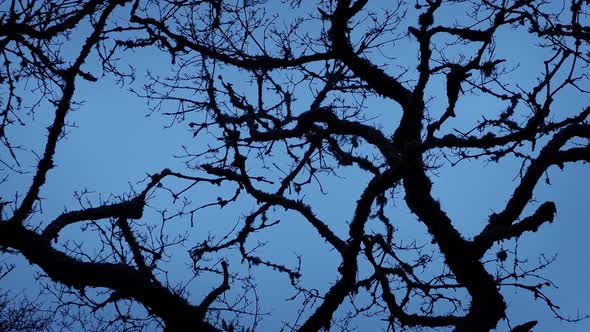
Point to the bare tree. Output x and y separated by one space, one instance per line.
21 314
282 98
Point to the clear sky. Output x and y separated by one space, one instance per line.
115 144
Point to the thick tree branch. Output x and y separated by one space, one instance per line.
132 209
487 305
376 78
174 310
484 241
548 156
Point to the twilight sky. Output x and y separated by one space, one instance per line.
114 144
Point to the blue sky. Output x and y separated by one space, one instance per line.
115 145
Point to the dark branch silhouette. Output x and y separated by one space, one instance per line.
278 105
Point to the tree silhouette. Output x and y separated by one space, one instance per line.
283 98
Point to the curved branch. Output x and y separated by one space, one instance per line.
548 156
174 310
240 60
132 209
376 78
46 162
484 241
487 304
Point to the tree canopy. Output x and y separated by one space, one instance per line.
318 134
